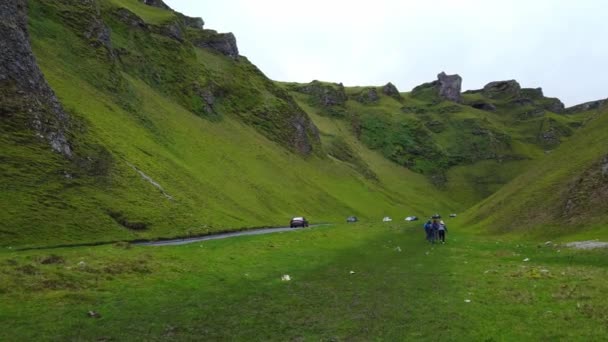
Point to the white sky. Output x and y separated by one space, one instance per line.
561 46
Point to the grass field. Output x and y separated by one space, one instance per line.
472 288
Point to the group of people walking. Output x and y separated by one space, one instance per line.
435 230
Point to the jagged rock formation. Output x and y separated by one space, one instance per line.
26 97
449 87
446 87
583 107
368 95
391 90
328 95
224 43
502 89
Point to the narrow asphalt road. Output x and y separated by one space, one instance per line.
220 236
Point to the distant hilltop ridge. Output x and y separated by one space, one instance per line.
449 88
446 87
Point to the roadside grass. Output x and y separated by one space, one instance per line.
401 288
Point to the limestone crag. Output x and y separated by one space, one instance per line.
23 89
368 95
449 86
391 90
554 104
328 95
224 43
502 89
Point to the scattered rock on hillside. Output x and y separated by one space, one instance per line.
502 89
22 81
156 3
391 90
449 86
368 95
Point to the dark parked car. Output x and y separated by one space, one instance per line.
436 217
351 219
452 215
298 222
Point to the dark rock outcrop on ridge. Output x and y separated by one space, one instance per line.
502 89
328 95
368 95
224 43
449 87
583 107
24 92
391 90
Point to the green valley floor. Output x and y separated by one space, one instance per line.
347 282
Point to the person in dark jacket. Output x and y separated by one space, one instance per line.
435 231
428 226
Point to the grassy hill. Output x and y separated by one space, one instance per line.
469 149
564 193
170 139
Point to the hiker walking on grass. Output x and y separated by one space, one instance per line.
428 226
442 229
434 230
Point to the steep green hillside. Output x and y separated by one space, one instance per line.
470 146
171 133
564 193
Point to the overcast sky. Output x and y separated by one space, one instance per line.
561 46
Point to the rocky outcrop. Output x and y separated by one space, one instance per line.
532 93
23 89
224 43
129 18
327 95
368 95
587 195
449 87
553 104
301 140
502 89
389 89
583 107
99 33
192 22
156 3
